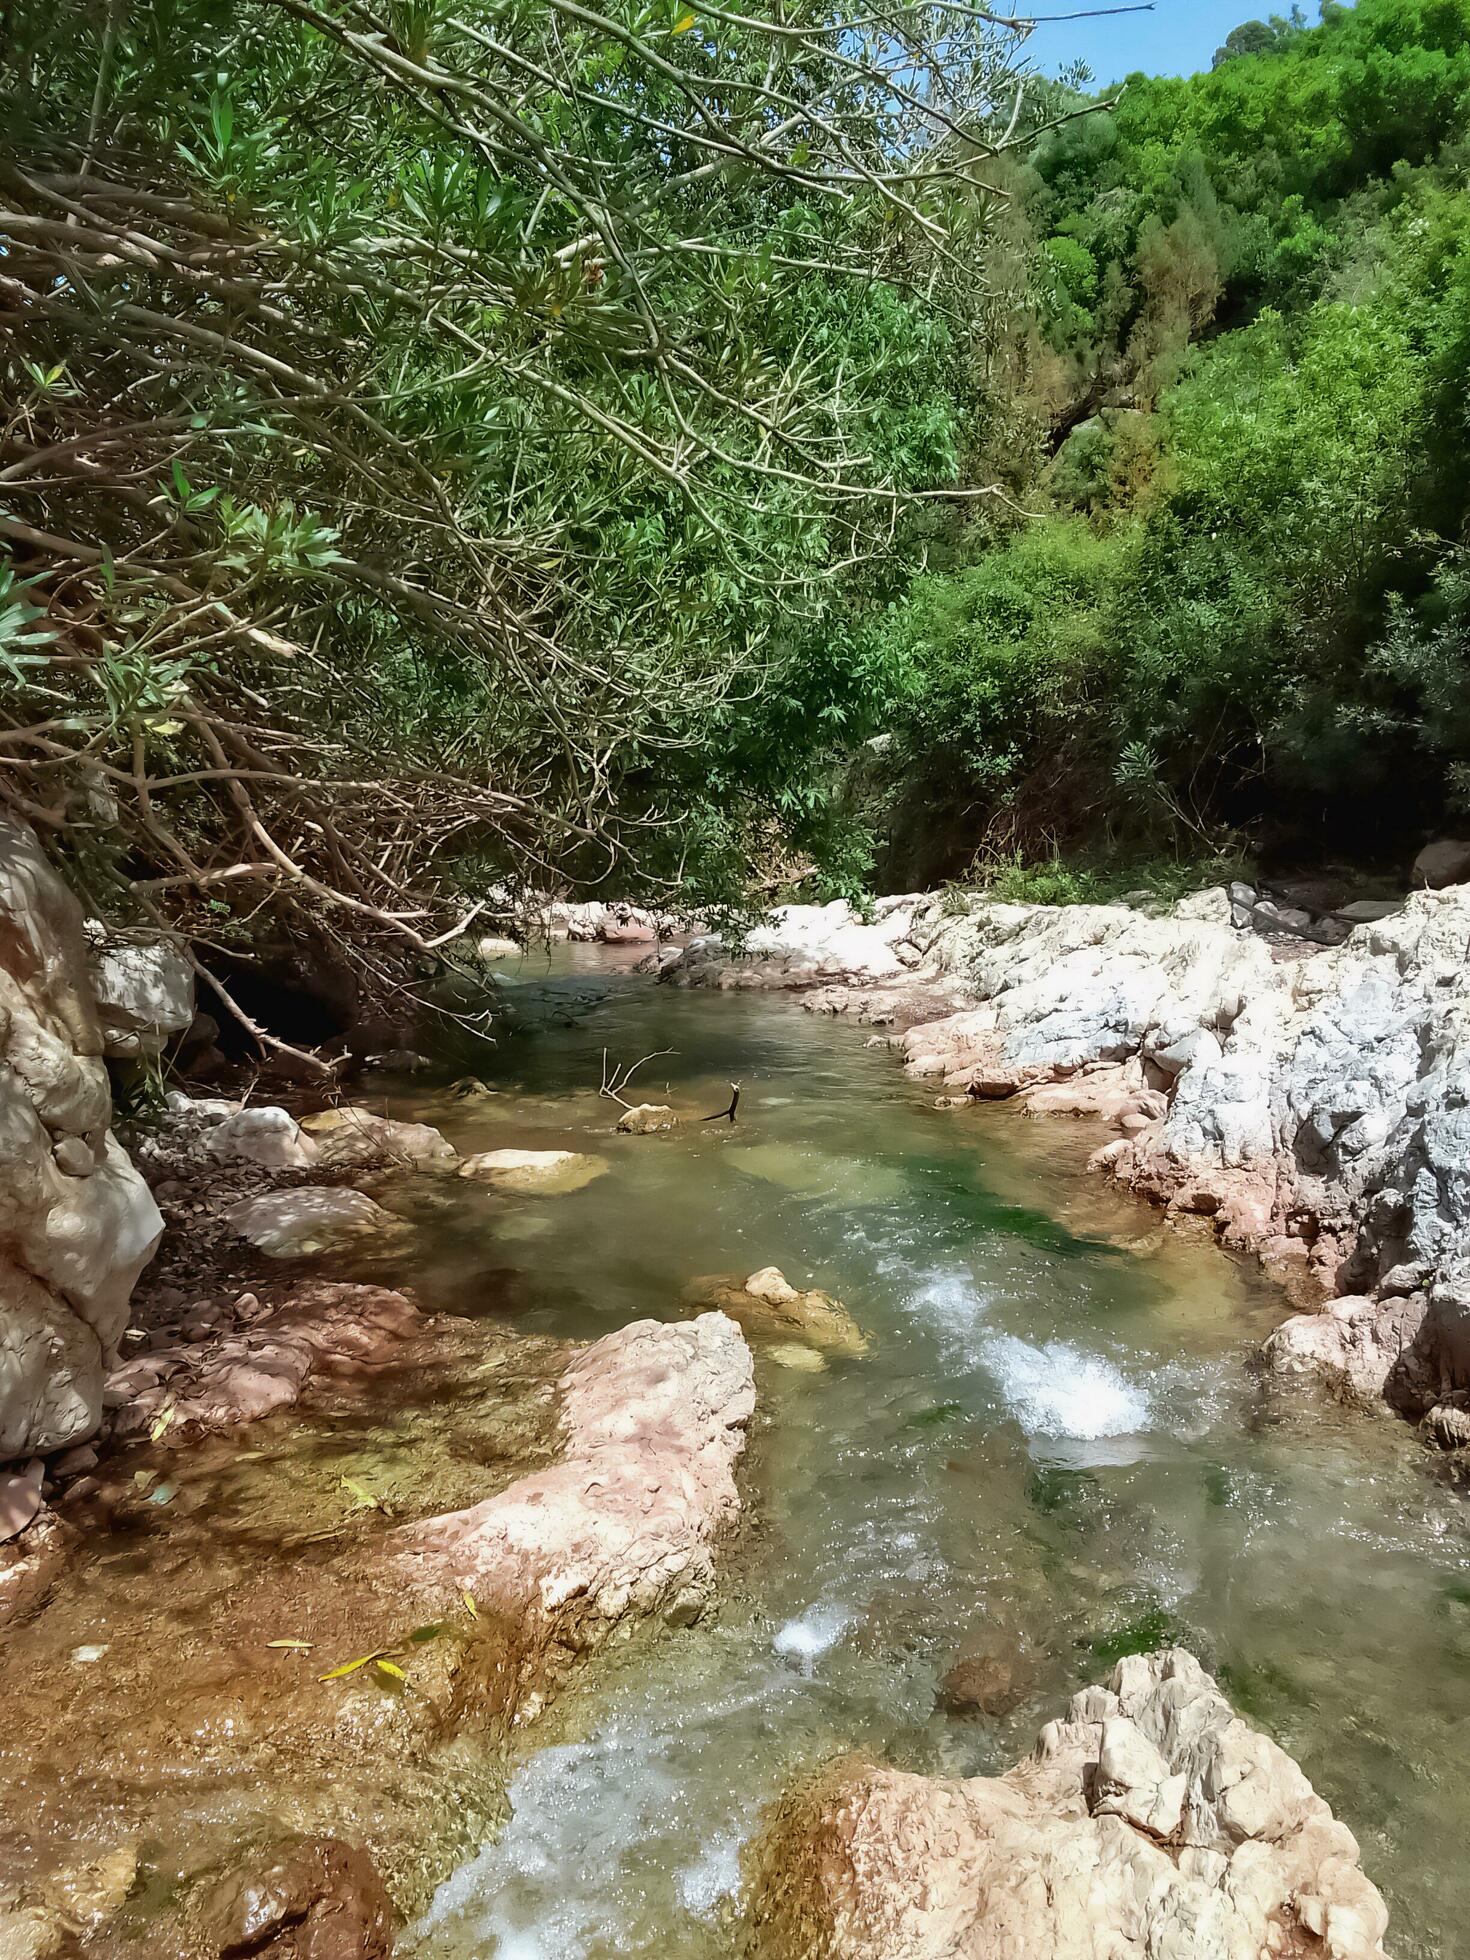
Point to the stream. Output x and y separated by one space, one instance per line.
1053 1454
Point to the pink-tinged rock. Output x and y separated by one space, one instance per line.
322 1330
625 1527
20 1500
1359 1349
1151 1823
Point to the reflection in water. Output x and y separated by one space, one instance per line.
1053 1453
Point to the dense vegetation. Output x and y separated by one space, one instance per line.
428 431
660 445
1236 424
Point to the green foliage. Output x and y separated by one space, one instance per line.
1240 592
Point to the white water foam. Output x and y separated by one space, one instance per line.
812 1633
1059 1390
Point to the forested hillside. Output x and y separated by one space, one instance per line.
664 449
1229 591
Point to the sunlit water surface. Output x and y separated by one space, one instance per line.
1054 1452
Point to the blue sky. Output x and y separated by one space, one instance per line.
1178 37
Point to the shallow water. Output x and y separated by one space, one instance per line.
1053 1452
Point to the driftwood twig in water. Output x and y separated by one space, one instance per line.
614 1084
729 1110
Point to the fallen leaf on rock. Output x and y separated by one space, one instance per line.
391 1669
296 1646
351 1667
160 1424
165 1494
471 1608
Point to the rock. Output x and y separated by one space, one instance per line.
73 1245
625 1526
542 1172
321 1329
470 1088
768 1306
645 1119
1368 911
1151 1822
1444 862
264 1135
350 1138
492 947
20 1500
798 1356
989 1683
74 1156
88 1895
311 1898
307 1219
144 986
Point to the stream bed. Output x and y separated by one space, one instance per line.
1054 1453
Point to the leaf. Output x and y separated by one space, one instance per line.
351 1667
471 1608
165 1494
391 1669
421 1636
143 1478
683 24
363 1495
161 1422
296 1646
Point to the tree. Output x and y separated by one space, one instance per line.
422 419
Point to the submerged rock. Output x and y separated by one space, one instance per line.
311 1898
767 1306
624 1527
79 1223
1151 1823
546 1172
306 1219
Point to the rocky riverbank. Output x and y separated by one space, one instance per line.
1312 1102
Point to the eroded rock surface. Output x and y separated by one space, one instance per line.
353 1138
624 1527
1151 1823
321 1330
77 1223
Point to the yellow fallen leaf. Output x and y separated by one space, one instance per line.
298 1646
351 1667
390 1668
363 1495
161 1422
471 1608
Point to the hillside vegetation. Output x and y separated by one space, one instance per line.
654 448
1230 591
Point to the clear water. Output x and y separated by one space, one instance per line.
1054 1452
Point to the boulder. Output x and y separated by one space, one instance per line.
144 986
1444 862
264 1135
350 1138
646 1119
768 1307
542 1172
625 1527
79 1224
1150 1823
491 947
307 1219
